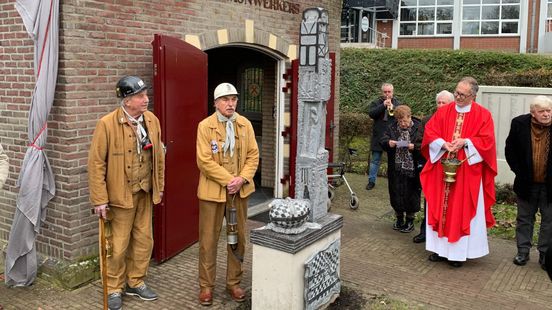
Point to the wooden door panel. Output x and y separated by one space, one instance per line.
180 100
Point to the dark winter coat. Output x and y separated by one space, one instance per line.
519 155
404 191
378 112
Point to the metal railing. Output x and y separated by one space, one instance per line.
375 38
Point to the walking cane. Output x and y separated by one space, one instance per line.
103 260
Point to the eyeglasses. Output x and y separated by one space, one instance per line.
461 96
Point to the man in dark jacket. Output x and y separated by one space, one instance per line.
529 155
381 111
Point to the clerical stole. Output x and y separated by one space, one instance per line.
457 133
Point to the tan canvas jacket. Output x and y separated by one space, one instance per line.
109 163
213 178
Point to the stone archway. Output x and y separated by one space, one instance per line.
283 52
244 36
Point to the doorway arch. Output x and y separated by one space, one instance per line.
256 75
250 46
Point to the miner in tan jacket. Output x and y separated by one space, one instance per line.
227 158
126 168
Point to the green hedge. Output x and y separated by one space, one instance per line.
418 75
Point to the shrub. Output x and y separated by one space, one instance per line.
505 194
352 125
418 74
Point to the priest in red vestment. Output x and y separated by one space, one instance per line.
459 213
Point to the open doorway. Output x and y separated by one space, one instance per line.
254 74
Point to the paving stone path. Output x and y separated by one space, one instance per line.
375 260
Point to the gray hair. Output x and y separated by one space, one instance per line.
445 93
472 82
387 84
540 102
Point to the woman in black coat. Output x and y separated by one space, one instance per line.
403 173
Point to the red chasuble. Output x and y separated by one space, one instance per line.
462 199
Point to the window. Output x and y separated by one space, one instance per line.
251 92
491 17
426 17
349 25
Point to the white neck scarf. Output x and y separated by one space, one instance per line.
141 133
230 141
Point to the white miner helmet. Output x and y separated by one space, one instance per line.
225 89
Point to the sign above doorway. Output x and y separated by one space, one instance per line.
277 5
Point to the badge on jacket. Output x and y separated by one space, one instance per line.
214 146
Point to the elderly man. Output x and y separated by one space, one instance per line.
529 155
126 177
443 98
227 158
381 111
458 213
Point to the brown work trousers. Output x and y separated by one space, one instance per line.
132 243
211 215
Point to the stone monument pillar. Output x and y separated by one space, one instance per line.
301 270
314 92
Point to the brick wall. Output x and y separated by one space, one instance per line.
269 129
426 42
507 44
100 42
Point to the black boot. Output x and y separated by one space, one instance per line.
408 226
399 223
419 238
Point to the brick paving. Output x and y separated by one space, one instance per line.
375 260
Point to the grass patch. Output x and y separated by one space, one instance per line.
380 302
505 227
358 162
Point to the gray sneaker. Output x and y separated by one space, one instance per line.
115 301
142 291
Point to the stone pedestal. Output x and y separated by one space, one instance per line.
296 271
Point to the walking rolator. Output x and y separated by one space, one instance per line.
338 178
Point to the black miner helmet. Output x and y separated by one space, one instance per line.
130 85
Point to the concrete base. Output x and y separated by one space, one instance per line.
278 275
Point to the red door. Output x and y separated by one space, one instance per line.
293 111
180 94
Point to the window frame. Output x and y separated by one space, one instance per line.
435 22
501 4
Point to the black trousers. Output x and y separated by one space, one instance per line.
423 223
525 220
